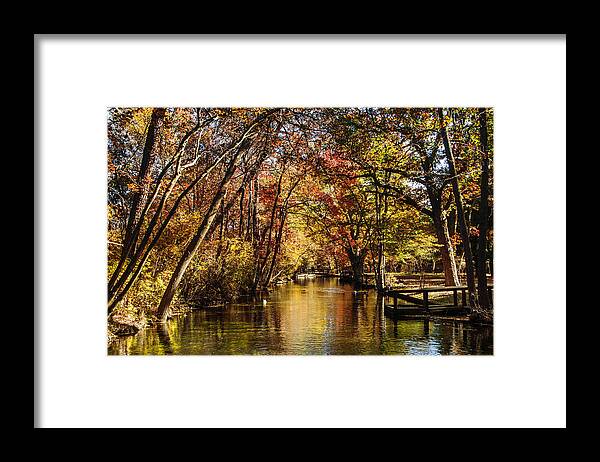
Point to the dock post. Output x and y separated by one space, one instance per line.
426 299
464 298
395 301
455 296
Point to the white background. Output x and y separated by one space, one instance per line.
522 385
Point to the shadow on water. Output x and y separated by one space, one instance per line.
314 317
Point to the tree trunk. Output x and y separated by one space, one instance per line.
357 261
262 262
252 228
380 269
460 216
440 224
383 261
222 219
188 255
278 238
241 217
140 195
379 263
484 299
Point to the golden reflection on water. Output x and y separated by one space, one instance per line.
315 317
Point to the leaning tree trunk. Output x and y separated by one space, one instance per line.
140 195
460 216
440 223
484 299
188 255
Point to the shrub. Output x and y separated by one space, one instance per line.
219 273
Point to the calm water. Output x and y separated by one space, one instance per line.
316 317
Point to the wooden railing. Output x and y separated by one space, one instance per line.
408 295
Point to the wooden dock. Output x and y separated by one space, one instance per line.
424 305
315 274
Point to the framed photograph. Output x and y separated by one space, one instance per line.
295 219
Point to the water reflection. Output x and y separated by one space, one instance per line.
315 317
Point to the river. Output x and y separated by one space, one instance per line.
313 317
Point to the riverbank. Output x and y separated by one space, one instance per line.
126 322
